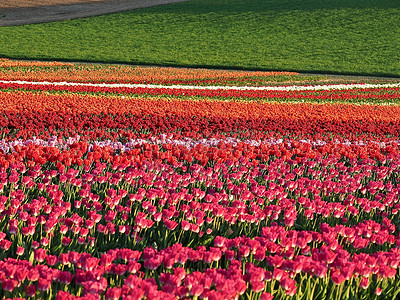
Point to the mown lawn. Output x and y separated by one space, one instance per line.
329 36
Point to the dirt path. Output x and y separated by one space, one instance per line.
21 12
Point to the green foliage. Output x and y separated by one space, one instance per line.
330 36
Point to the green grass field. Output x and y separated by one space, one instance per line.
321 36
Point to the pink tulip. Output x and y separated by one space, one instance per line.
40 255
266 296
9 285
20 251
364 283
30 290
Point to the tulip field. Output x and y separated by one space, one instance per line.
120 182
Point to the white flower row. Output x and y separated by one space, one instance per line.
8 147
193 87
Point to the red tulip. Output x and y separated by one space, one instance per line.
20 251
43 284
257 286
64 277
364 283
9 285
40 255
30 290
288 283
113 293
266 296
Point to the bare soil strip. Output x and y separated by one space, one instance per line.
22 12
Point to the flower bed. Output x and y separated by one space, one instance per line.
117 197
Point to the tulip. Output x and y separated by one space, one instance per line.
44 241
20 251
278 274
113 293
257 286
33 275
5 244
66 241
64 277
9 285
288 284
364 283
40 255
30 290
320 271
266 296
51 260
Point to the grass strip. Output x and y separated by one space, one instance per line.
338 36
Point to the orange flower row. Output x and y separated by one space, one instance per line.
6 63
73 103
22 70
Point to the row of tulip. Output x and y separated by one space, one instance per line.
28 114
96 207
